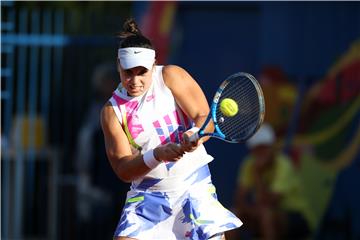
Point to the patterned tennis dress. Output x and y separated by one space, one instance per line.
175 200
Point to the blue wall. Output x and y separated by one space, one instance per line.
213 40
306 38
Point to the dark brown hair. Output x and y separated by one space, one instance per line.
131 36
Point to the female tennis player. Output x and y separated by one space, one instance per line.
146 125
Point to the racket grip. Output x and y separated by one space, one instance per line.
195 136
192 138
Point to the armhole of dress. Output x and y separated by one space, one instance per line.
116 109
187 124
123 122
160 80
185 121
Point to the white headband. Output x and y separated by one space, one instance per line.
136 56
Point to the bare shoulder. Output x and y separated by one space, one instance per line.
107 114
174 75
172 69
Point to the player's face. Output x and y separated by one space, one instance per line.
136 80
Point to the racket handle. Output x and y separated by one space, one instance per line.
194 137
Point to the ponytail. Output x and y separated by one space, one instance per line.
131 36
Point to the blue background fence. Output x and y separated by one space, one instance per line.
49 51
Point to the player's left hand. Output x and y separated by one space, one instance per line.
186 144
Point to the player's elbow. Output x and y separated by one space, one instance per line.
125 178
200 117
119 169
123 174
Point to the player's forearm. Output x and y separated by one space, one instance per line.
130 168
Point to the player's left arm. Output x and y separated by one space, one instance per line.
188 95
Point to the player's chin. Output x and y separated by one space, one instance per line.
135 90
135 93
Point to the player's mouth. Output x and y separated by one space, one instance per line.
136 87
133 89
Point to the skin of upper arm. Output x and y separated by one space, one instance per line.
116 143
187 92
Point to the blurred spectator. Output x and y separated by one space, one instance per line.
269 196
100 195
342 218
280 95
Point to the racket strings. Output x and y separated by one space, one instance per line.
243 91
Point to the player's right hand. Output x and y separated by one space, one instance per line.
169 152
186 144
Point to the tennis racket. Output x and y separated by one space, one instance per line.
247 113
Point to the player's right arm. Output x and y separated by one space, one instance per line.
127 164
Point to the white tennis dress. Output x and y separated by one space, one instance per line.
175 200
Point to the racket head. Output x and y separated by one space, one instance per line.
245 90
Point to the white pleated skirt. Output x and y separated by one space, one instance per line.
191 212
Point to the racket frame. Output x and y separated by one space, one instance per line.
212 115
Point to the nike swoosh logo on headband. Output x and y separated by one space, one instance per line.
136 52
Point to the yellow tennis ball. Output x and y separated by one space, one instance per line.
229 107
